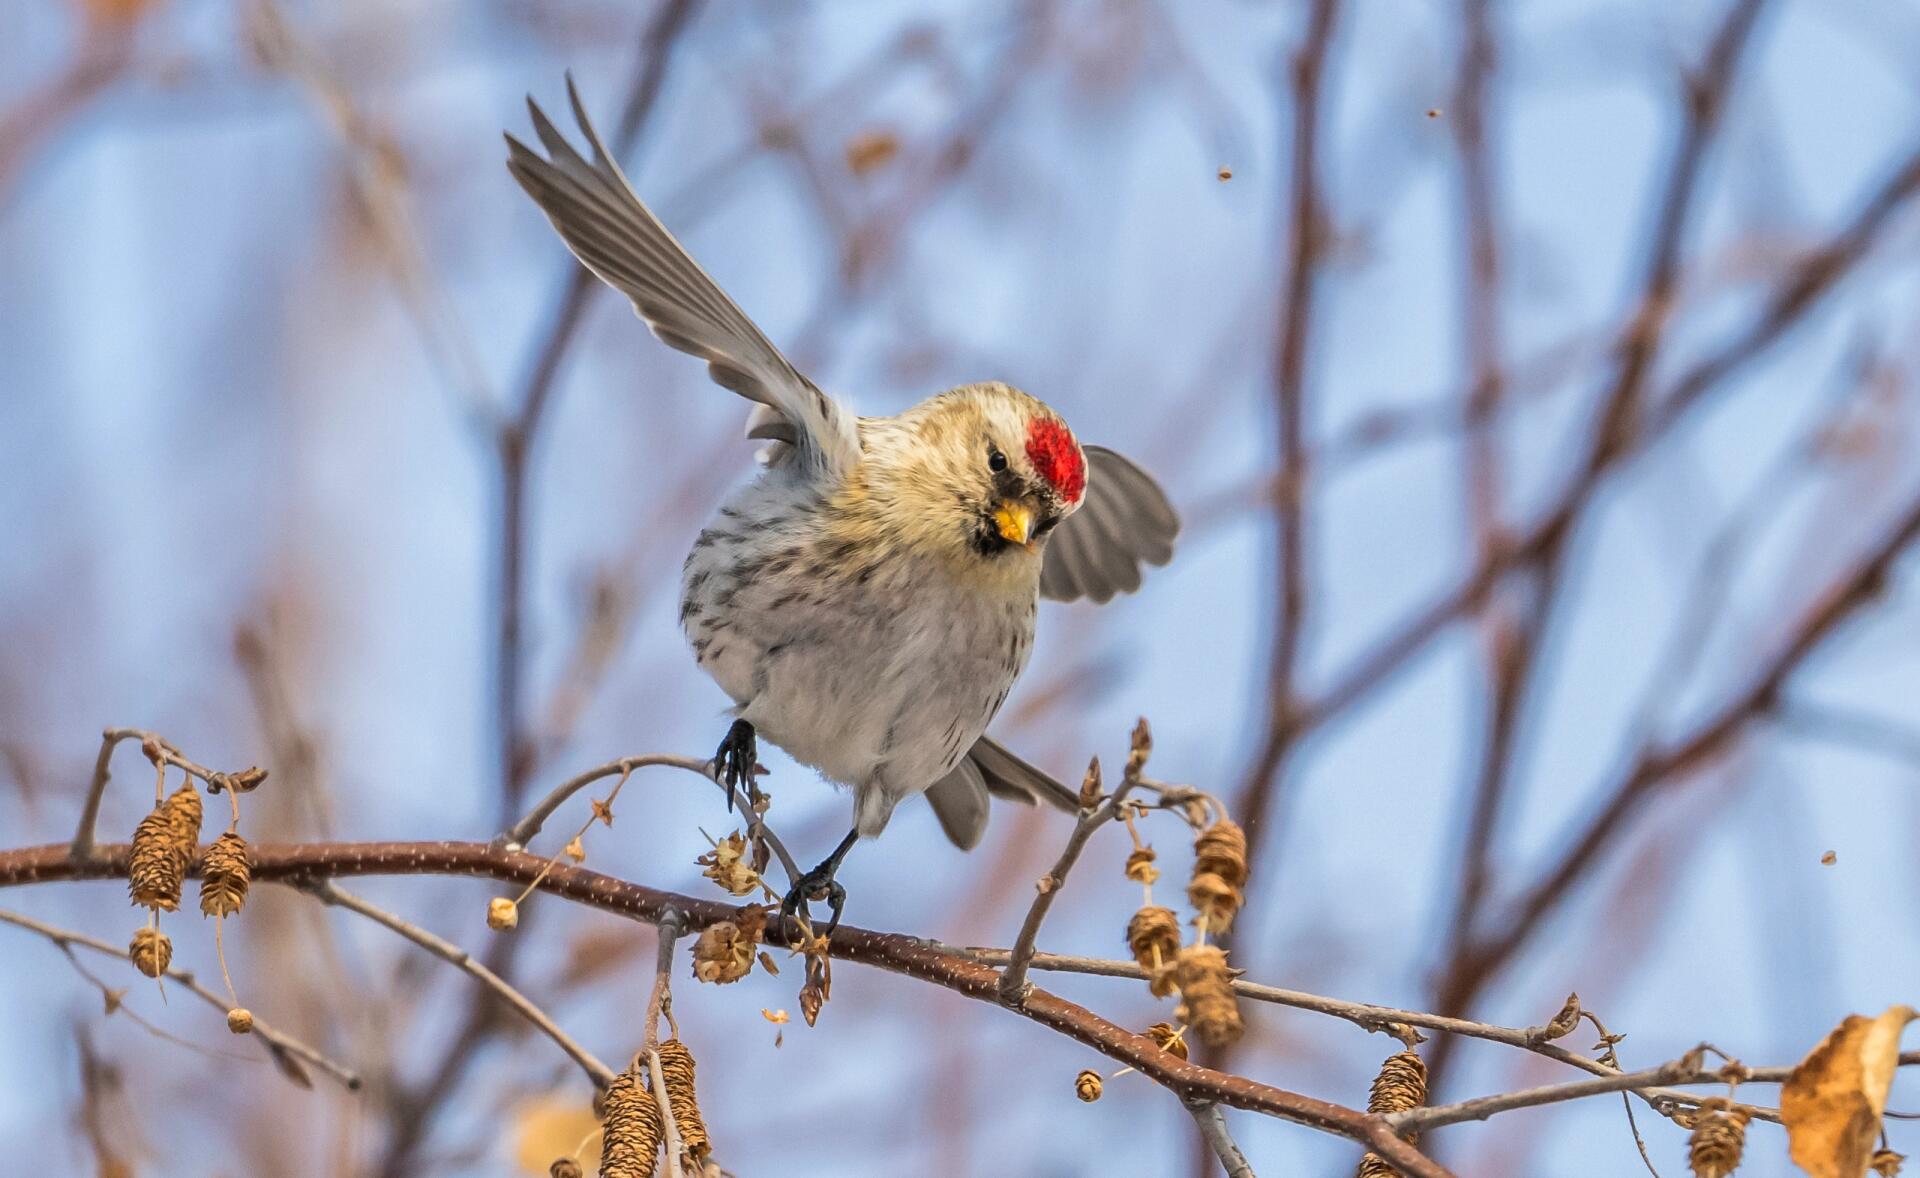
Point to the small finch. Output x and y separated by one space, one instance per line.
869 600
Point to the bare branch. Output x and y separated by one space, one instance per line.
1213 1127
330 893
278 1042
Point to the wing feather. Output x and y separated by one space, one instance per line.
1125 522
617 237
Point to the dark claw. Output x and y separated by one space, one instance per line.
735 760
804 888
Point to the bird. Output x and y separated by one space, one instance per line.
869 599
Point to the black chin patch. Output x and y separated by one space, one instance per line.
986 539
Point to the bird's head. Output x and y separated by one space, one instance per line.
976 477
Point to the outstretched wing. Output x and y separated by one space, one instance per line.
1125 522
618 238
960 798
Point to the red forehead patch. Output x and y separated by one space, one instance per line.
1051 449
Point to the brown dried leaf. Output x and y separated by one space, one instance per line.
1833 1101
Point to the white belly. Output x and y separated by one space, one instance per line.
879 675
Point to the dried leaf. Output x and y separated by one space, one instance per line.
1833 1101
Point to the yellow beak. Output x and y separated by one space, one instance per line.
1015 521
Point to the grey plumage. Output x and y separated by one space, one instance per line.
849 601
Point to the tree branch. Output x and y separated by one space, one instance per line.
332 894
279 1043
305 864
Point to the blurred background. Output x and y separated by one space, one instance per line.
1535 381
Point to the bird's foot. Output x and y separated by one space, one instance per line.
735 761
814 885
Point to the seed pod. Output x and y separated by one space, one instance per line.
225 871
1886 1163
564 1168
151 952
1087 1086
240 1020
1168 1039
1207 1003
155 867
726 864
1719 1138
1154 936
1222 850
723 953
630 1136
502 914
183 813
1215 902
1400 1086
676 1074
1140 868
1219 875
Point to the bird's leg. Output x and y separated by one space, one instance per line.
821 879
734 761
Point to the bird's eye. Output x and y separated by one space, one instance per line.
996 461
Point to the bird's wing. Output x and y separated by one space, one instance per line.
1126 521
960 798
618 238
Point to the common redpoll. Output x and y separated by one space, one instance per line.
868 600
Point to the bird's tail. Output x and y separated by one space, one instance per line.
960 798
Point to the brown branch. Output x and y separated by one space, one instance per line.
279 1043
305 864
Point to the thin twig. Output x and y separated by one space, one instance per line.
1013 982
330 893
674 1147
1213 1127
278 1042
83 836
660 1000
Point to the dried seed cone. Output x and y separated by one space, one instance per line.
1219 875
1400 1086
225 871
1886 1163
723 953
1207 1003
156 867
240 1020
1087 1086
502 914
1168 1039
1222 850
727 865
1215 902
1154 936
1140 868
564 1168
1719 1138
676 1072
151 952
630 1137
183 812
